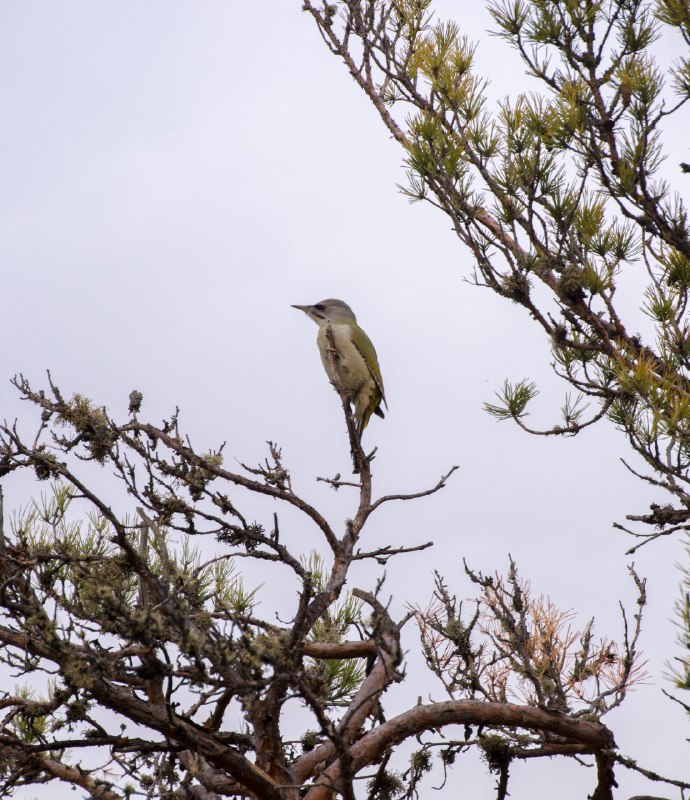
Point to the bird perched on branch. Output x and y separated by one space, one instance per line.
355 358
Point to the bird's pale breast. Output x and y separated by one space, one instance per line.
352 369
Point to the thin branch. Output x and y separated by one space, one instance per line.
415 495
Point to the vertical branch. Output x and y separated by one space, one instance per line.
152 666
504 774
606 780
360 461
145 599
161 546
2 524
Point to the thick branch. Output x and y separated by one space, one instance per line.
340 649
372 745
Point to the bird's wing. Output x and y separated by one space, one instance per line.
366 349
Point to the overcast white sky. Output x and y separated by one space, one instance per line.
173 176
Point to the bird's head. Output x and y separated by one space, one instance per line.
334 311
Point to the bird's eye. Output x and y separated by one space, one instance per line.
319 306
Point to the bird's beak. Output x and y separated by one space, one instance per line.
306 309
